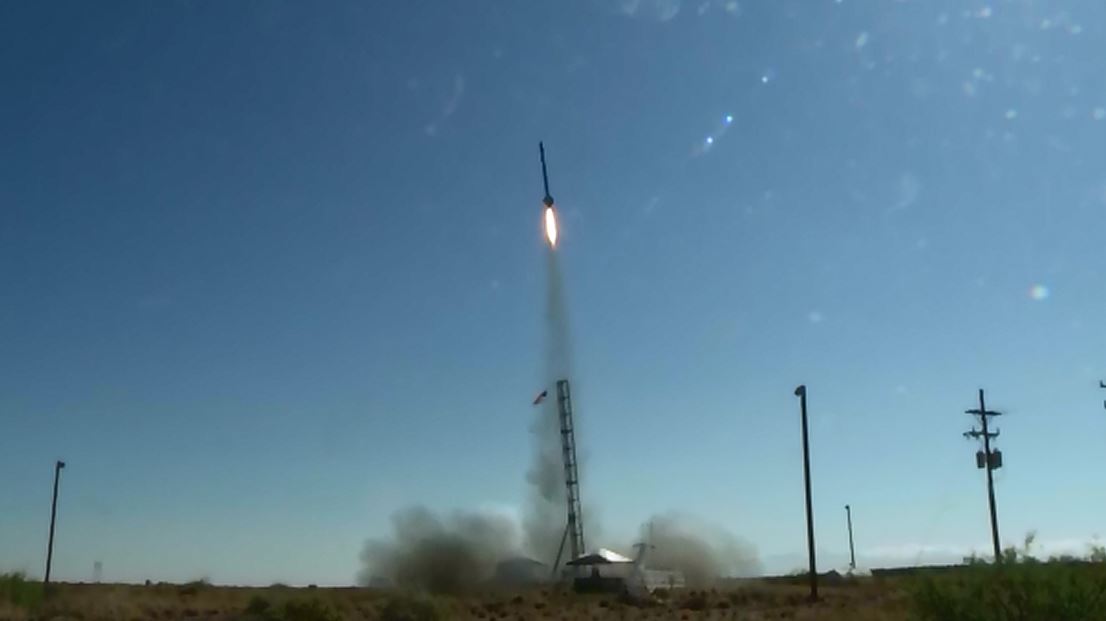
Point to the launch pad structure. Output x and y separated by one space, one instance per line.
574 525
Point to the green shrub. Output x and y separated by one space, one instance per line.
309 610
258 606
1097 554
412 608
16 590
695 600
192 588
1015 591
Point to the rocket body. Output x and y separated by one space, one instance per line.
550 214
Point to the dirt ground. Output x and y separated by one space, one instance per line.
862 599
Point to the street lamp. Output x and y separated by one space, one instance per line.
852 552
800 392
53 520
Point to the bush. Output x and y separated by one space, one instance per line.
309 610
409 608
1097 554
695 600
258 606
16 590
194 587
1009 592
626 598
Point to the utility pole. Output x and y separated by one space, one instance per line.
800 392
53 519
852 552
991 460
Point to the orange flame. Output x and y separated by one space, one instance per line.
551 227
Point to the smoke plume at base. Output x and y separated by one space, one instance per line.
449 555
701 551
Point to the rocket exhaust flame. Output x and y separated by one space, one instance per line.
551 226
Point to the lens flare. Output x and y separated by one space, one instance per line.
1039 293
551 227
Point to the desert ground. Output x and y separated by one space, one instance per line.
753 600
1019 589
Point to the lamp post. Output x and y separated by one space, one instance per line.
800 392
53 520
852 552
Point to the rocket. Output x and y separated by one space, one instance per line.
548 200
550 215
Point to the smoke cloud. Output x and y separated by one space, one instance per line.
429 553
456 553
701 551
459 552
544 515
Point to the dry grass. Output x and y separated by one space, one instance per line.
751 601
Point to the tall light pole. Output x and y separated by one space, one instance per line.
53 520
852 552
800 392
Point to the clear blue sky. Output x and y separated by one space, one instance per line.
272 270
